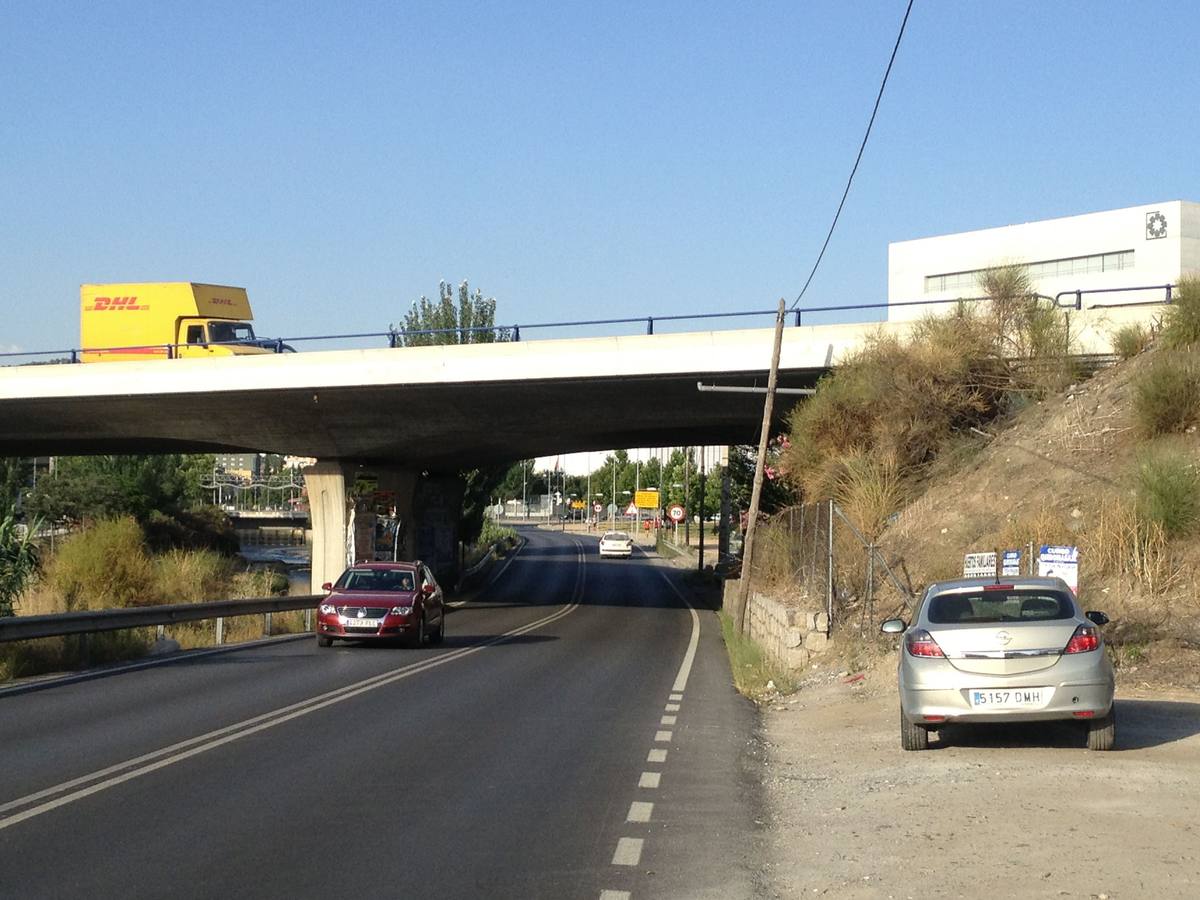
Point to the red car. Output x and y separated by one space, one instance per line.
383 601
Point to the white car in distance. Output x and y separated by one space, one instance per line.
616 543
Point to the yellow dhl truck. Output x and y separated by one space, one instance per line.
167 320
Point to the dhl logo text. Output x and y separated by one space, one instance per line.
116 303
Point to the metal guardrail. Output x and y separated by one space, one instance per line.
25 628
396 338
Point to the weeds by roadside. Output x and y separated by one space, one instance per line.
755 675
1181 328
1130 340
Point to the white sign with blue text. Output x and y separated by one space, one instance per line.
1062 562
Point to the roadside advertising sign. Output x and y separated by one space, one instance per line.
1060 561
979 565
1010 563
983 565
646 499
676 513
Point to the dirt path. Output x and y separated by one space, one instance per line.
996 812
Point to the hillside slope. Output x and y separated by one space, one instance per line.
1064 470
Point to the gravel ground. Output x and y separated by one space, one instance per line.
1002 811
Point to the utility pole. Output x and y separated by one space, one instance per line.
687 499
700 555
759 464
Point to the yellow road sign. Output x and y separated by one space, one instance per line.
646 499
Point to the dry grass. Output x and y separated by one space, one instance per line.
1123 543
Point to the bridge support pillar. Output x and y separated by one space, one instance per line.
329 483
427 508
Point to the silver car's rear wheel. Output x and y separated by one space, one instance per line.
1102 733
912 737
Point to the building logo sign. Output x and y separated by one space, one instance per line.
1156 226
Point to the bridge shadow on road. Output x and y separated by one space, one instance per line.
1140 724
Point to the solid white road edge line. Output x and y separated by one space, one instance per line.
685 668
182 750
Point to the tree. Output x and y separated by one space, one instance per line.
471 321
14 476
18 561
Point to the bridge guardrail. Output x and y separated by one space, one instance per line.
395 337
25 628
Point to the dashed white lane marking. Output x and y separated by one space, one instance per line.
662 737
649 779
614 895
677 698
672 707
629 852
639 811
668 720
657 756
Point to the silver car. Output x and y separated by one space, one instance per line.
1017 650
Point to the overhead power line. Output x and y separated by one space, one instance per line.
857 159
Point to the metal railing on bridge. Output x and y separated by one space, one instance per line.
398 338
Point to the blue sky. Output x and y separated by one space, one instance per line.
573 160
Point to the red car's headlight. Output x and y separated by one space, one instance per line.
401 610
327 609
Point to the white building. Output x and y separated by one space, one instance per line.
1120 248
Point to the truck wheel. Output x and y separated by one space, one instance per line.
912 737
1102 733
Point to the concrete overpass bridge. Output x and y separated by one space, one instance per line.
414 415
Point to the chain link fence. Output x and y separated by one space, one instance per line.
814 549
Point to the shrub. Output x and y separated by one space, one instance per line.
103 566
18 561
1181 327
1130 340
899 400
1168 490
191 576
492 532
1167 395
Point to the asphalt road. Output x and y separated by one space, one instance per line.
576 736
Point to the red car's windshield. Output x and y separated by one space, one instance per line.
376 580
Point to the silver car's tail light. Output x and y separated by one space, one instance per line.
921 643
1085 639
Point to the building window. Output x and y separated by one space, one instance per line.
1050 268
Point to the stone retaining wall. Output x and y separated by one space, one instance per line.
791 636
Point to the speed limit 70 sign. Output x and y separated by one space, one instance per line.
676 513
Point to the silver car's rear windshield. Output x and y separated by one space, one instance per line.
376 580
1011 605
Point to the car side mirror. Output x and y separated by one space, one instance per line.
893 626
327 586
1096 616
